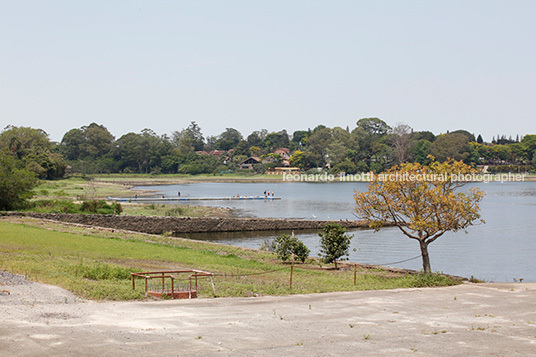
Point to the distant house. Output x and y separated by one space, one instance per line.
283 152
217 153
283 170
201 152
248 163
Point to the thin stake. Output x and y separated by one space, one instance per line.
291 272
355 274
213 287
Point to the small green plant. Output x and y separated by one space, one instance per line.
476 280
103 271
287 246
175 212
366 337
424 280
334 243
101 207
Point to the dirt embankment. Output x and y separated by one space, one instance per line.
160 225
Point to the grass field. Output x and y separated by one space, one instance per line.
102 186
96 263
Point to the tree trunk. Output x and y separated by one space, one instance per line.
425 257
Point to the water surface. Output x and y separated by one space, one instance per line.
501 250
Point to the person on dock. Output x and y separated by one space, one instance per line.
179 193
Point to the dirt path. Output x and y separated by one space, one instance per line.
469 319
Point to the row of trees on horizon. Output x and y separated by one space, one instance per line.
372 145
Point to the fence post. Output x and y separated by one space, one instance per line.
291 272
145 286
355 274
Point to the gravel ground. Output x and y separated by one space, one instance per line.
469 319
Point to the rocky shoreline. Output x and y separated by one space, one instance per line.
178 225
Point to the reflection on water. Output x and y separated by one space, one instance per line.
503 249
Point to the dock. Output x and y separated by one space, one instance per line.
186 199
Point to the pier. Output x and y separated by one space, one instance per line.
186 199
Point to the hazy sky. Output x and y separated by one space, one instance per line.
130 65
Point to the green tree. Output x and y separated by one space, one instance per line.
287 246
189 139
470 137
334 243
228 139
257 138
422 203
34 151
16 184
93 141
421 152
242 148
423 135
276 140
23 141
345 166
299 137
98 140
141 152
373 126
370 134
451 146
71 144
528 143
318 143
336 152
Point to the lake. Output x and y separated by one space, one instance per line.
501 250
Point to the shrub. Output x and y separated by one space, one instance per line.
100 207
54 206
103 271
287 246
175 212
334 243
16 184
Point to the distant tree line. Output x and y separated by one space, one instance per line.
372 145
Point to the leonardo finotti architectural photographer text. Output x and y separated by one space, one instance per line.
370 176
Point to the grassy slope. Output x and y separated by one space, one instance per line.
96 263
76 188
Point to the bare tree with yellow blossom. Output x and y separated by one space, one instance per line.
423 201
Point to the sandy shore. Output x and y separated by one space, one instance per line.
469 319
